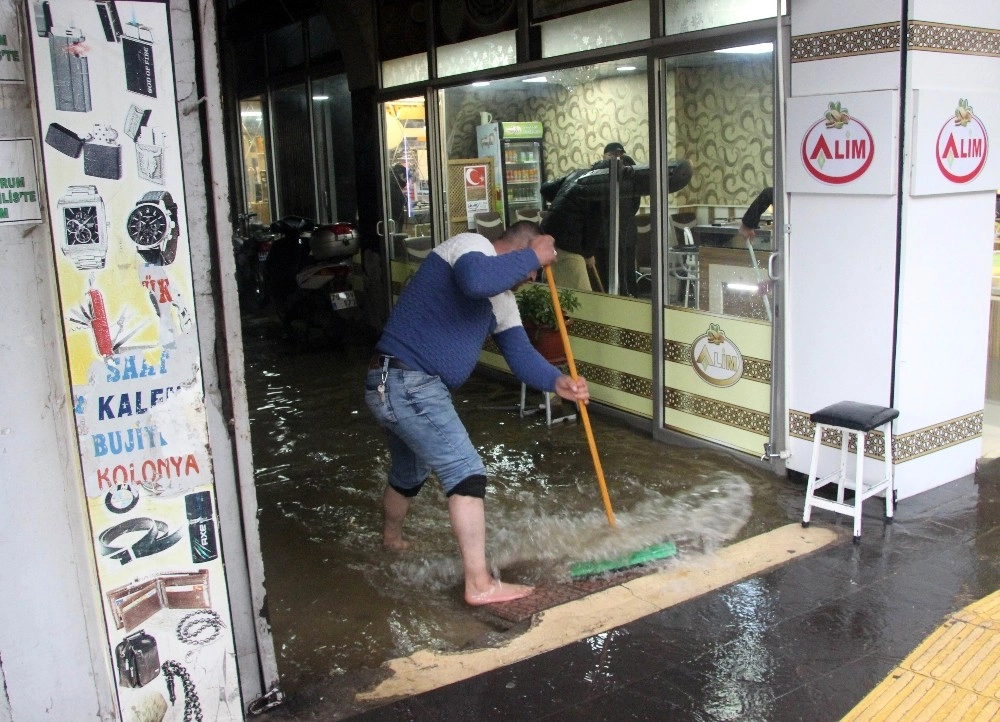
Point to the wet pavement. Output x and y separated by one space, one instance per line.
806 639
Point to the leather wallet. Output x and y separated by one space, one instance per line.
133 603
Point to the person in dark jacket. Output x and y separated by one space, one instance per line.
751 219
568 222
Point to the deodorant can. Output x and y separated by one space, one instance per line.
201 526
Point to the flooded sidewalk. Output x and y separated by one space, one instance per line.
340 606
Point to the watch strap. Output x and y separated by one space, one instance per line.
162 256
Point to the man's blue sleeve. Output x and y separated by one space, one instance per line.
527 364
482 276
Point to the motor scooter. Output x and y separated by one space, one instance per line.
309 277
251 244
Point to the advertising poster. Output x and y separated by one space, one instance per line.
18 182
112 160
11 62
477 199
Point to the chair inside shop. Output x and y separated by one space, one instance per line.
529 214
682 260
417 248
643 250
489 224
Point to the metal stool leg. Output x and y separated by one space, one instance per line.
813 466
890 492
859 485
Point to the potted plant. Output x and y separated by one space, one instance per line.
534 301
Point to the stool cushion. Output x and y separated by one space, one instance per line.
853 415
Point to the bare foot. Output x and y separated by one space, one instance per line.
498 592
395 544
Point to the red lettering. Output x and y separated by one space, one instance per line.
820 147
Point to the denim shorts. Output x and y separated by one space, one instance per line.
423 429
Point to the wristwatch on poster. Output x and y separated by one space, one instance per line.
154 227
85 230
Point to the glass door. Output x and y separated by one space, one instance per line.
406 225
255 176
717 244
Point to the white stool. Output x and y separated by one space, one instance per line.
851 417
548 407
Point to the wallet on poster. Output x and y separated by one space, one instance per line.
135 602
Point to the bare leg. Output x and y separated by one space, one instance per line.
394 508
468 519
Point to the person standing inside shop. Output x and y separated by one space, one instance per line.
461 293
629 202
751 219
399 179
570 222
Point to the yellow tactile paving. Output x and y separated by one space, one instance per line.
953 675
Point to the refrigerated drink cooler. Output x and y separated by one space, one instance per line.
516 149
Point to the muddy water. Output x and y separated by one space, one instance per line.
340 606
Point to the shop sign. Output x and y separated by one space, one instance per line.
843 144
716 359
11 60
837 149
117 208
952 144
18 182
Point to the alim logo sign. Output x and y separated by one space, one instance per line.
837 149
962 145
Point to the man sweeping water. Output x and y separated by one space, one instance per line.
462 292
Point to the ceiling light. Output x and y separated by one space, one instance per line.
749 49
625 68
480 84
540 79
745 287
321 97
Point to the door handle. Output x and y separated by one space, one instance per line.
770 267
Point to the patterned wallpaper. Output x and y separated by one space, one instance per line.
725 127
721 121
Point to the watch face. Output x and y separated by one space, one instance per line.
82 225
148 225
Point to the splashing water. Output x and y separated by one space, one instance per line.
340 605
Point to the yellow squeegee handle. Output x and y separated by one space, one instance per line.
582 407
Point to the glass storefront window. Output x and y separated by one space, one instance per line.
594 29
407 225
403 71
333 140
490 52
533 133
293 155
254 159
684 16
720 107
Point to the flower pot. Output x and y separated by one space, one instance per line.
547 341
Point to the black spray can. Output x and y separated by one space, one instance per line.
201 526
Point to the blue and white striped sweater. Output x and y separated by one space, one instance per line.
460 294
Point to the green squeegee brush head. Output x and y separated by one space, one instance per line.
642 556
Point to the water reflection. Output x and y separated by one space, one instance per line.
340 606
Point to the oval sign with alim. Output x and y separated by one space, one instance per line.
837 149
962 145
716 359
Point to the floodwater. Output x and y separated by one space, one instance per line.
340 605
